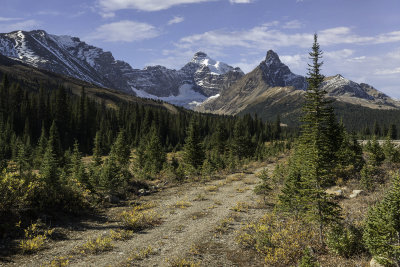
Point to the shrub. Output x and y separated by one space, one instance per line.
121 234
182 262
281 240
344 241
97 245
15 191
137 219
308 260
35 238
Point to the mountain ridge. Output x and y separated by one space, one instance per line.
72 57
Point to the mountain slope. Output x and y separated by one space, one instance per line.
202 77
271 88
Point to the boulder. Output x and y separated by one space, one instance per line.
334 191
356 193
112 199
374 263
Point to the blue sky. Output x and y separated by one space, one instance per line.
360 38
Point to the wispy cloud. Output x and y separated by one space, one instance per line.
124 31
25 25
108 7
240 1
176 19
294 24
9 19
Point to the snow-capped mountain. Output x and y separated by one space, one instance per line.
202 77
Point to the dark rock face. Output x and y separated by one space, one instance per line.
70 56
275 73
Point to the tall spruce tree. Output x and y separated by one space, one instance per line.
193 149
316 150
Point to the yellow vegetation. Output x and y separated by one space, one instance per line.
34 238
281 240
97 245
138 219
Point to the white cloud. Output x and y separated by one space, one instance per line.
240 1
9 19
145 5
124 31
388 71
176 19
294 24
109 6
25 25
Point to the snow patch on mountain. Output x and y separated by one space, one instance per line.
215 67
186 97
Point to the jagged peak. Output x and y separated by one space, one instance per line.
200 54
272 57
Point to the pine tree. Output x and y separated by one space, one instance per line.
382 227
154 155
49 169
316 150
77 168
193 150
121 150
54 141
97 150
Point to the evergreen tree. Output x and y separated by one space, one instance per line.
49 169
77 168
317 151
382 227
121 150
193 150
153 156
375 153
97 150
54 141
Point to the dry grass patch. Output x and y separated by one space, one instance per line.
223 226
200 197
121 234
59 261
241 207
138 219
35 238
249 181
242 189
211 188
141 254
95 246
182 204
182 262
198 215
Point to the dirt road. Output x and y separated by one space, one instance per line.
198 225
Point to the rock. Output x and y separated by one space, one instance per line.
112 199
356 193
334 191
143 192
374 263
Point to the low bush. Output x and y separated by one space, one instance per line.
35 238
138 219
281 240
95 246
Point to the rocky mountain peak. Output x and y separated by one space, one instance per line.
272 58
199 55
275 73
